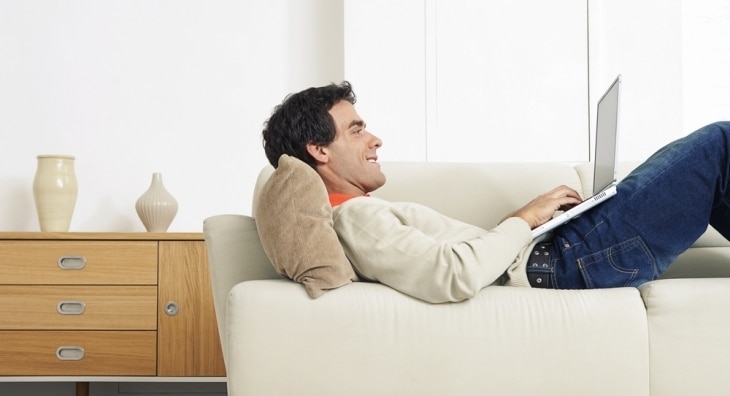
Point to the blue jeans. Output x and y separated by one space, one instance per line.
661 208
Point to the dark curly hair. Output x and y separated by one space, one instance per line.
303 118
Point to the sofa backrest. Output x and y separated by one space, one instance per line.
477 193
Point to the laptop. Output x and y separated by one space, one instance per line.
604 166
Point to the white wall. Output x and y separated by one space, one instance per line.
388 72
674 56
517 80
511 82
132 87
182 87
466 80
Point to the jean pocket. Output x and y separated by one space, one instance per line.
629 263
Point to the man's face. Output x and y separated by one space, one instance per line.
353 157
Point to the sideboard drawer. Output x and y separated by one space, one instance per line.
78 353
78 307
78 262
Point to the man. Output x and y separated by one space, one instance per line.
628 240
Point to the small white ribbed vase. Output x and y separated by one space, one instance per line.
54 191
156 207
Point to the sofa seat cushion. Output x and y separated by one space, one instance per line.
368 339
689 322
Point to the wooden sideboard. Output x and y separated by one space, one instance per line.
125 305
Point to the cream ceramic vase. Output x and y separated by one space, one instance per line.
54 191
156 207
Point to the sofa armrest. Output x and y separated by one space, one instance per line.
700 262
368 339
234 255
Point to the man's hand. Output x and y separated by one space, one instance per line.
542 208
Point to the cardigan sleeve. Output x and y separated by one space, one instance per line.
423 253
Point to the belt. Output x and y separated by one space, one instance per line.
540 268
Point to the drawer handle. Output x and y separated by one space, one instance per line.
72 262
70 353
71 307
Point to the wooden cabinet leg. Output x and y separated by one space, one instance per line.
82 389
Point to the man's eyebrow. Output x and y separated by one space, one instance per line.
359 123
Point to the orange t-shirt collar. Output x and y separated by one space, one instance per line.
338 199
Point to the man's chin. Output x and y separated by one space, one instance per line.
378 182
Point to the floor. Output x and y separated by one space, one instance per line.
114 389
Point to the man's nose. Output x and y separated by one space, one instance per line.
376 142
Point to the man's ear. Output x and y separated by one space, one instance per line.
319 153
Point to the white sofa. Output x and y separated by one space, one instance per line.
669 337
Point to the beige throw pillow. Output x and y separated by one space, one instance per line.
294 222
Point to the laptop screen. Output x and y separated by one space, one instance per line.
604 172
